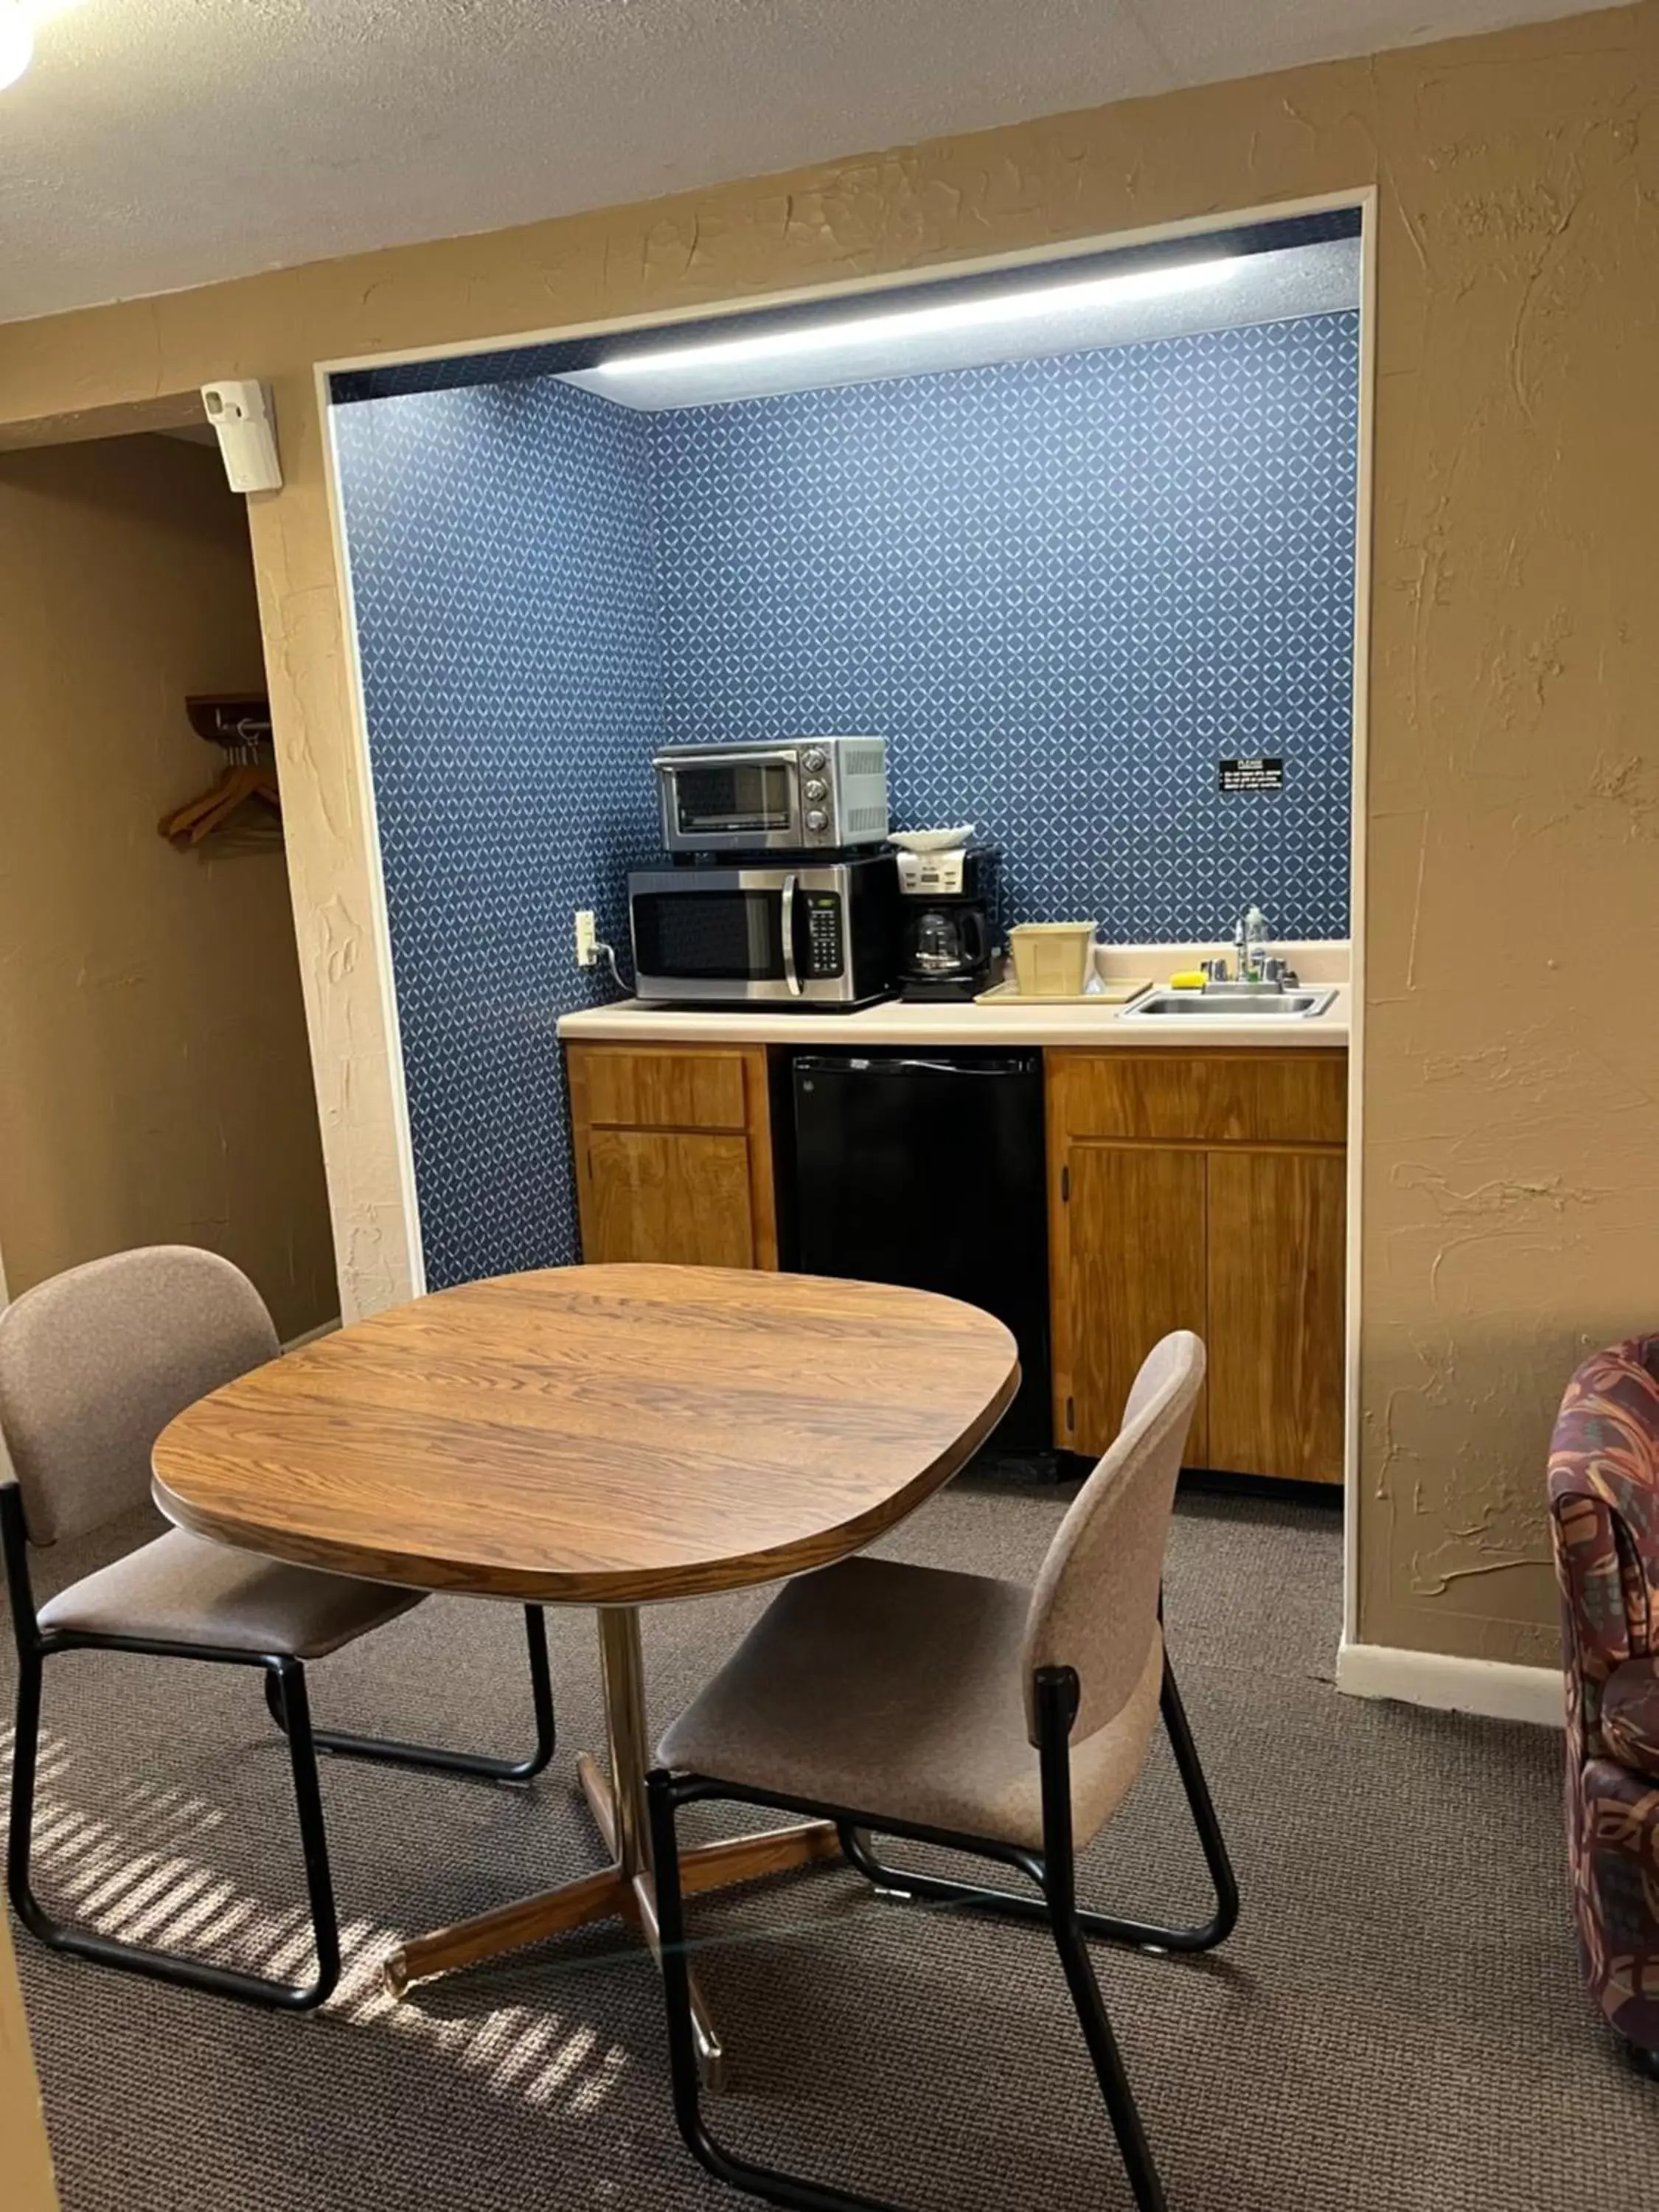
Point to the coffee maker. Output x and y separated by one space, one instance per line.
947 923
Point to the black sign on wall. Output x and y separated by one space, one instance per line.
1258 775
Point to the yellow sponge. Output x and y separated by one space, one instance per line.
1190 979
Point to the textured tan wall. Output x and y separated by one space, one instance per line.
1511 1200
155 1075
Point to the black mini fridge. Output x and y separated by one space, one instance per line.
926 1169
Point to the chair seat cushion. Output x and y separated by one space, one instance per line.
1629 1715
182 1590
897 1692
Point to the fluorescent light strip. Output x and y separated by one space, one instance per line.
960 314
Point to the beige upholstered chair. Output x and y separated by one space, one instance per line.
962 1710
93 1364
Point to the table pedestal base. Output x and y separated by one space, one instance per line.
624 1890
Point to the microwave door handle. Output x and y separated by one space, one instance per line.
790 885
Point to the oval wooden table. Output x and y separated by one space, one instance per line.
605 1436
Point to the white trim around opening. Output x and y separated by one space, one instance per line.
379 919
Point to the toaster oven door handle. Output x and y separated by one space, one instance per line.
723 756
787 892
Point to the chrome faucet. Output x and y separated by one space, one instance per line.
1255 969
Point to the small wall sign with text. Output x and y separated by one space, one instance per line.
1258 775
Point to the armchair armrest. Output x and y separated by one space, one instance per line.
1604 1512
1594 1622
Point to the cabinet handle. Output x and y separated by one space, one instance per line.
1065 1186
1071 1415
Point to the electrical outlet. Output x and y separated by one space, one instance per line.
588 936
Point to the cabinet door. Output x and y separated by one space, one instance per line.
1128 1267
673 1154
1277 1261
680 1197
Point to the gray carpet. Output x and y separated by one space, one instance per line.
1396 2026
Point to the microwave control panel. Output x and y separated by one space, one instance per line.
824 953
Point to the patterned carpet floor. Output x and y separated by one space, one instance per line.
1396 2027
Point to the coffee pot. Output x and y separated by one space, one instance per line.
947 916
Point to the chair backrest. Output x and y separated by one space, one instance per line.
95 1362
1095 1605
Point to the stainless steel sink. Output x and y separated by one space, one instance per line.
1230 1005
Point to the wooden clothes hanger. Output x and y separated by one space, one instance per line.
199 817
239 723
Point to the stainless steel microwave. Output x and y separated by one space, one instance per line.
813 794
814 935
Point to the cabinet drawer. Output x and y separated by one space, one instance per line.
1295 1097
627 1087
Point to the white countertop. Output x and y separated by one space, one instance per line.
896 1023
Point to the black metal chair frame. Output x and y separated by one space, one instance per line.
1052 1872
287 1700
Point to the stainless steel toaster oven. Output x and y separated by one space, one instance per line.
810 795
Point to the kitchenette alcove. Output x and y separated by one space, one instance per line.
1075 560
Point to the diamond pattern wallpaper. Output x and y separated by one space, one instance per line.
1063 590
501 545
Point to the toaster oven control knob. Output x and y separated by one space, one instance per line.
812 759
816 819
816 788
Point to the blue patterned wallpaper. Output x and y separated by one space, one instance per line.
1063 590
502 563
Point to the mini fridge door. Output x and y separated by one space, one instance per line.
927 1170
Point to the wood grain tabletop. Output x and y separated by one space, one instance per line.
596 1435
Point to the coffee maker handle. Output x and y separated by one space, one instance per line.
976 937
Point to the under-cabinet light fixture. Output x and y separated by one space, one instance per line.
986 314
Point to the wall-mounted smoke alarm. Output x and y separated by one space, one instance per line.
243 417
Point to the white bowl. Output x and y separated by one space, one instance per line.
932 841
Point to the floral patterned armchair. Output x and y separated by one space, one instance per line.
1604 1511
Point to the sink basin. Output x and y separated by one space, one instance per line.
1229 1005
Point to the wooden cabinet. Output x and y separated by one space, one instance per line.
673 1154
1203 1191
1187 1189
